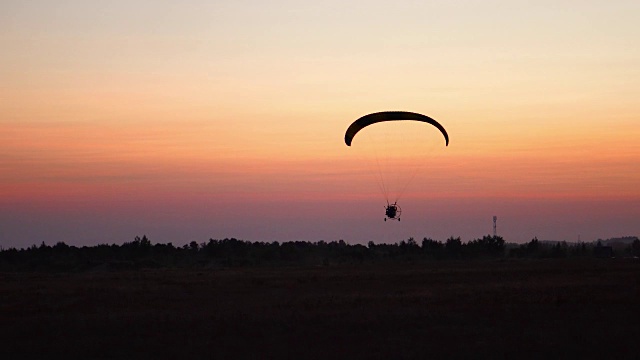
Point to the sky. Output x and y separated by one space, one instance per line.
190 120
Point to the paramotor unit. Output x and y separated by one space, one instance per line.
392 211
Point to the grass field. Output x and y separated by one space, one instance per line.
587 308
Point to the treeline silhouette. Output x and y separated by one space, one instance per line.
141 253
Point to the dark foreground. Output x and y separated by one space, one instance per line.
497 309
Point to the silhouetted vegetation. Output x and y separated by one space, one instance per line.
562 249
141 253
635 247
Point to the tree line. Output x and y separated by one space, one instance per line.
231 252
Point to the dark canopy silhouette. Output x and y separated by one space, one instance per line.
370 119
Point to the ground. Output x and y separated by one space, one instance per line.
558 308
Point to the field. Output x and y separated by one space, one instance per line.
494 308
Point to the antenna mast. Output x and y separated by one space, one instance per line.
495 219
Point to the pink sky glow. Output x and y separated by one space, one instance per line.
194 120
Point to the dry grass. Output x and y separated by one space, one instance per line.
497 309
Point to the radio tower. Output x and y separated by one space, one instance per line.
495 219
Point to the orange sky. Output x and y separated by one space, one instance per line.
197 120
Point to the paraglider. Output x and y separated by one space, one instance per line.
392 210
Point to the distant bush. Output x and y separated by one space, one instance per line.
562 249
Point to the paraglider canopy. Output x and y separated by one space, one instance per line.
373 118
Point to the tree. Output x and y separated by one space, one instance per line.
635 247
432 247
453 246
